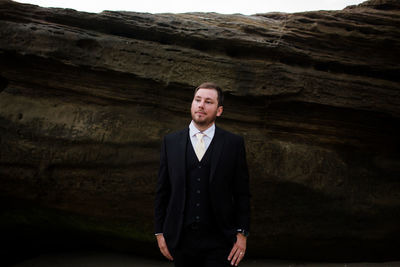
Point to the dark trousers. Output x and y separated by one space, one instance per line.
201 246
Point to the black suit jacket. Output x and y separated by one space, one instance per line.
228 189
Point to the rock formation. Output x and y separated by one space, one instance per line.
85 99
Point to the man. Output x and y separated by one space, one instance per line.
202 210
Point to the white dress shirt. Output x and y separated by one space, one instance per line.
208 135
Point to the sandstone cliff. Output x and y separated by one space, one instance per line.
85 99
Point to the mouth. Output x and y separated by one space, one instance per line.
200 113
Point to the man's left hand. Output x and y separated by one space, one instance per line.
238 250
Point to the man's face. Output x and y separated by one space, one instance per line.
205 108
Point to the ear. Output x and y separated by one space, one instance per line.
219 110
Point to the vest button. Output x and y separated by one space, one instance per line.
199 166
197 204
197 217
198 191
198 179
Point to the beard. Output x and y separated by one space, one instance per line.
203 120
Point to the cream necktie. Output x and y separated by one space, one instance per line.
200 148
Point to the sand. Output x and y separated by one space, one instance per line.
98 259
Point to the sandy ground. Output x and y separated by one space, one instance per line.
91 259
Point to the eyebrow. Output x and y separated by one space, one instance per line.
207 98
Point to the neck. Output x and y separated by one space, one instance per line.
202 127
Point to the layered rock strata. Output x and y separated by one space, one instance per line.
86 98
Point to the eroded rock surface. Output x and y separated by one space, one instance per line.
85 99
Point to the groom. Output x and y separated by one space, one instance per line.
202 210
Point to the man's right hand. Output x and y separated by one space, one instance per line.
163 247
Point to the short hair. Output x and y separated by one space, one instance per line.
211 85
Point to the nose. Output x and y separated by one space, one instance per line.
201 103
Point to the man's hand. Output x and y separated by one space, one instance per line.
238 250
163 247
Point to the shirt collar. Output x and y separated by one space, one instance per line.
209 132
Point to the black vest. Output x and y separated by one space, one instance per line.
197 206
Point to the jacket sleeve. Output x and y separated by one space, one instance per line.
163 191
241 189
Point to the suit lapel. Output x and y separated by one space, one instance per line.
219 141
182 153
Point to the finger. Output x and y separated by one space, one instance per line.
233 250
168 256
237 258
166 253
164 249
